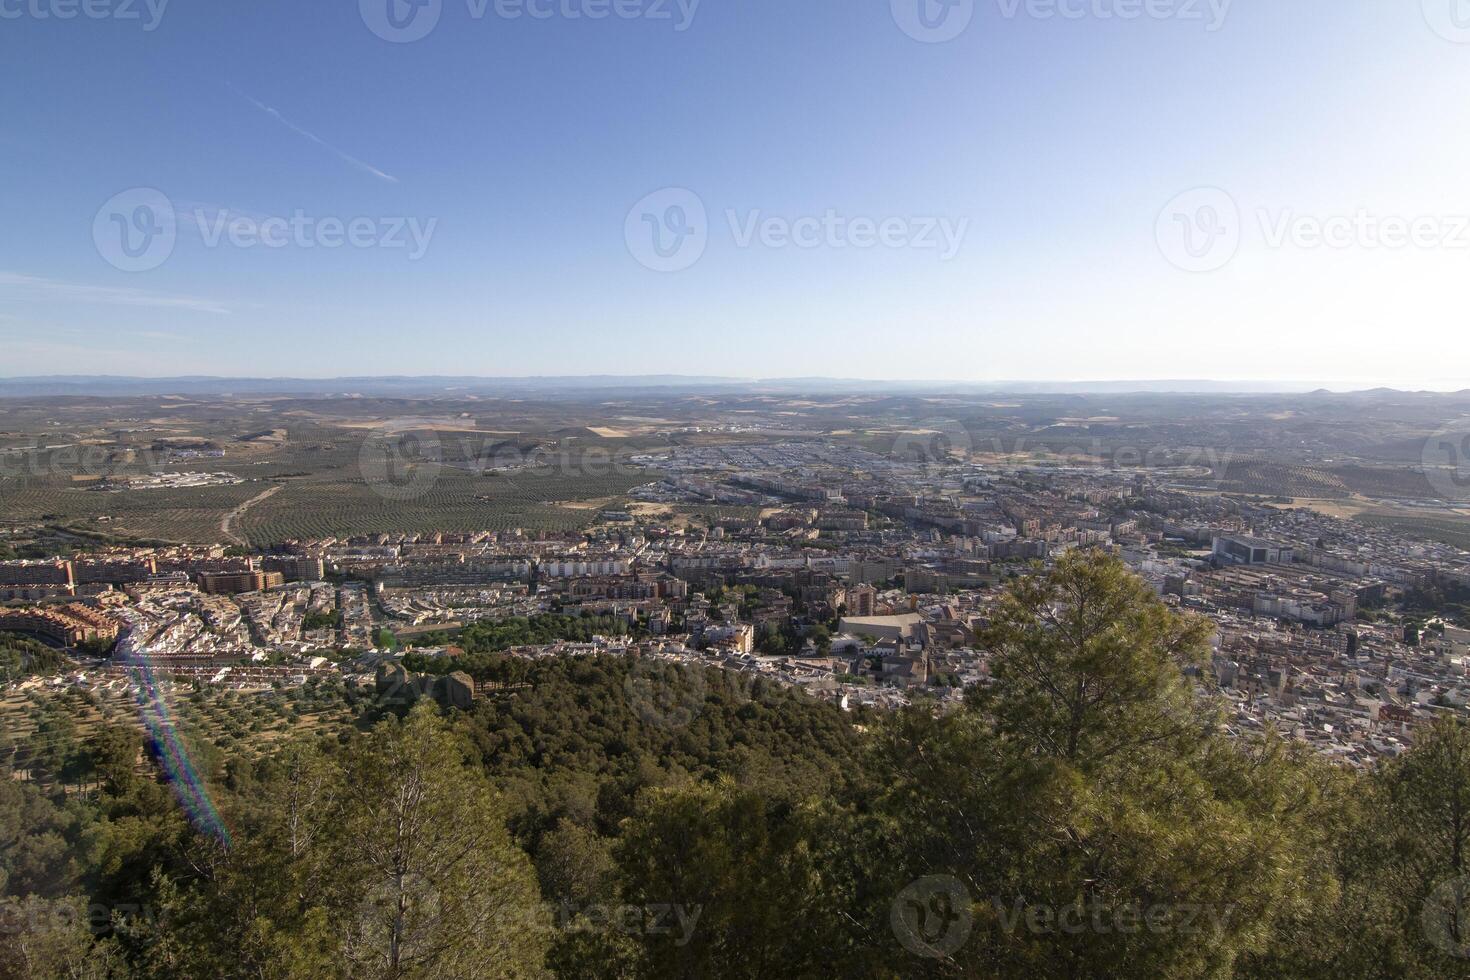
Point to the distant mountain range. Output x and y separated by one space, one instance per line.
399 386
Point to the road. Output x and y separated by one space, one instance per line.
227 522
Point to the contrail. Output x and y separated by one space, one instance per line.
366 168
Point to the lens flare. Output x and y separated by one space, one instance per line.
193 795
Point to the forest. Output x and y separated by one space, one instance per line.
1082 815
21 657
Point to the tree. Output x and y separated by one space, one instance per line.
1087 663
57 748
1080 797
580 881
576 866
43 939
732 880
115 750
420 849
21 657
386 858
769 639
1394 844
34 834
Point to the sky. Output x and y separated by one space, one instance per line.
896 189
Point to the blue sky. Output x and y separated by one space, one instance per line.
1027 176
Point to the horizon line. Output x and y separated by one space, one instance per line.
1117 386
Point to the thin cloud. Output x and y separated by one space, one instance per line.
366 168
108 295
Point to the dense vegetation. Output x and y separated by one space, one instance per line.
21 657
1081 816
492 637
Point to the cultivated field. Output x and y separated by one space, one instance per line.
315 454
455 502
307 478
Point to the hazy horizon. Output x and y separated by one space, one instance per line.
34 384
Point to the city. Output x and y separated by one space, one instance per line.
860 578
697 490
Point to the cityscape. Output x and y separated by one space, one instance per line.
620 600
697 490
864 578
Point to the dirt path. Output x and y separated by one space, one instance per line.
227 522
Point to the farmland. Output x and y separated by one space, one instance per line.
209 720
168 515
455 502
361 461
318 507
305 478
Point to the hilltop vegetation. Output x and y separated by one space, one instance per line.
1081 816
